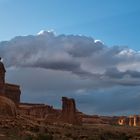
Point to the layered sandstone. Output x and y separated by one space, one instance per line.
133 120
69 112
91 119
13 92
37 110
7 107
10 91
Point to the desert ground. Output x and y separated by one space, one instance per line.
22 128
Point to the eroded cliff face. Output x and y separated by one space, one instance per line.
69 111
68 114
7 107
10 91
42 111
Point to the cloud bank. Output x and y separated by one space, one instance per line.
53 65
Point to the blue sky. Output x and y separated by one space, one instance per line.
115 22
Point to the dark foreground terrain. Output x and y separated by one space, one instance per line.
22 128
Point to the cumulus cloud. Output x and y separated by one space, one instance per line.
79 55
68 64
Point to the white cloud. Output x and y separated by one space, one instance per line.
98 41
44 32
79 55
127 52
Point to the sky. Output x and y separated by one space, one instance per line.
114 22
88 50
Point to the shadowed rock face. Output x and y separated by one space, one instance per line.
7 107
68 106
10 91
39 111
69 114
2 77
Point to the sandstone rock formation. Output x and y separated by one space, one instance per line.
37 110
132 120
123 120
69 112
7 107
10 91
91 119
